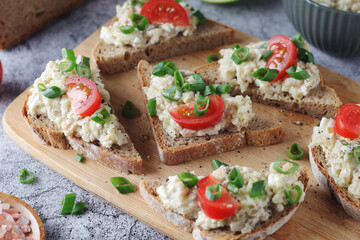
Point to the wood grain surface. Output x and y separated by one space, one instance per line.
317 218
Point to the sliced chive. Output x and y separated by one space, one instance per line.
188 179
68 54
236 46
101 116
215 164
305 56
78 208
265 74
127 29
295 152
151 106
210 89
298 75
159 70
83 70
122 185
278 162
129 110
25 176
240 55
202 102
67 203
79 157
67 66
299 191
52 92
258 189
298 40
223 88
343 142
266 55
213 192
179 79
173 93
236 178
213 58
356 154
200 16
41 87
139 21
170 68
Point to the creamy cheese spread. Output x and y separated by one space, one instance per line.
344 5
59 109
152 34
237 113
241 74
176 197
340 161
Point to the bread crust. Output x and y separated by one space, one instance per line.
327 183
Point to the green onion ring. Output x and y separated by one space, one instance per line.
258 189
200 17
288 195
266 55
277 168
198 79
67 203
295 152
151 106
101 116
265 74
236 178
188 179
196 87
300 75
139 21
41 87
240 55
136 2
79 157
67 66
86 61
215 164
111 109
202 102
318 125
223 88
210 89
122 185
298 40
173 93
129 110
170 68
179 79
83 71
68 54
52 92
305 56
213 58
232 188
343 142
25 176
213 192
78 208
159 70
236 46
356 153
127 29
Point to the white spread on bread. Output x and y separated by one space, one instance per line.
241 74
59 109
176 197
339 159
344 5
152 34
237 113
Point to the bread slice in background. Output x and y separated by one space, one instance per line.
112 59
20 18
148 192
327 183
321 101
124 158
172 151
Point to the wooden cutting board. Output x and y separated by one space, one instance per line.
317 218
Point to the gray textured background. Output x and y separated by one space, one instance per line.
24 62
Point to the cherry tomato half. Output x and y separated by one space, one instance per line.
347 121
165 11
221 208
186 118
284 55
84 95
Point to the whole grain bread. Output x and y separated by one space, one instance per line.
124 158
148 192
318 166
321 101
112 59
172 151
20 18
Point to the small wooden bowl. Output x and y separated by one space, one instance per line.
37 227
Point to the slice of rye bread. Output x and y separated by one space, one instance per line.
172 151
321 101
318 166
124 158
112 59
148 192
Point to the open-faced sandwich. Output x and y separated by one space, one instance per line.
230 203
334 156
280 72
68 107
154 30
191 120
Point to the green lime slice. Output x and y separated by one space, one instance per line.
219 1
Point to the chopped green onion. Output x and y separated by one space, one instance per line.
151 105
136 2
305 56
298 40
173 93
210 89
288 195
240 55
111 109
236 178
196 87
129 110
356 153
277 168
79 157
343 142
68 54
200 16
78 208
67 203
223 88
41 87
213 58
83 71
232 188
67 66
122 185
139 21
215 164
25 176
86 61
295 152
100 116
188 179
127 29
266 55
236 46
300 75
178 0
179 79
213 192
159 70
170 68
265 74
198 79
200 100
52 92
258 189
318 124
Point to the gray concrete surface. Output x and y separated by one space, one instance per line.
25 61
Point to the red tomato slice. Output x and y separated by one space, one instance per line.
186 118
284 55
1 72
347 121
84 95
221 208
165 11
